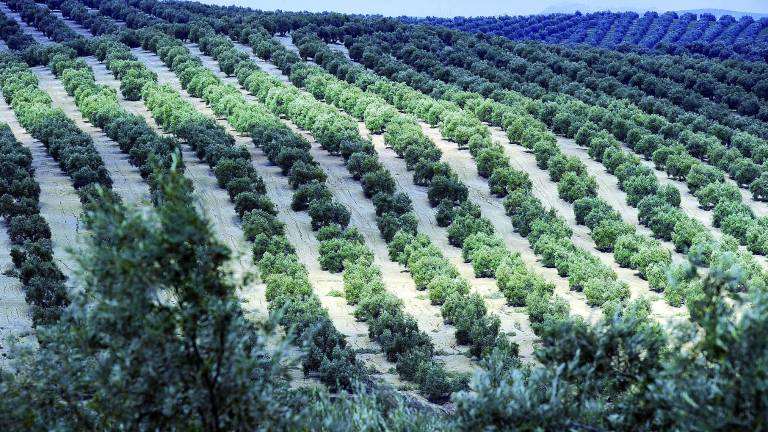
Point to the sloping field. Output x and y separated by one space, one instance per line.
345 222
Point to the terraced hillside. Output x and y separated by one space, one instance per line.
224 218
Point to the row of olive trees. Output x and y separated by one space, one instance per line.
231 165
487 252
341 249
100 105
536 73
97 24
13 35
66 143
576 405
30 235
191 363
288 286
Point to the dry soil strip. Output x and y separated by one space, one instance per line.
15 322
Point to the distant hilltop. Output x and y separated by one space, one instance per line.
571 7
710 32
720 12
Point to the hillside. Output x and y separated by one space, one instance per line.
219 218
695 32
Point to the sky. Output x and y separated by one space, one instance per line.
447 8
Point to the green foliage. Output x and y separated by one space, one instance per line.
608 231
177 259
572 186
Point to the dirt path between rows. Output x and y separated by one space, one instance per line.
127 181
15 322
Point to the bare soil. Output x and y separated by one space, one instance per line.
15 323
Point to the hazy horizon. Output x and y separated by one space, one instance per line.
450 8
